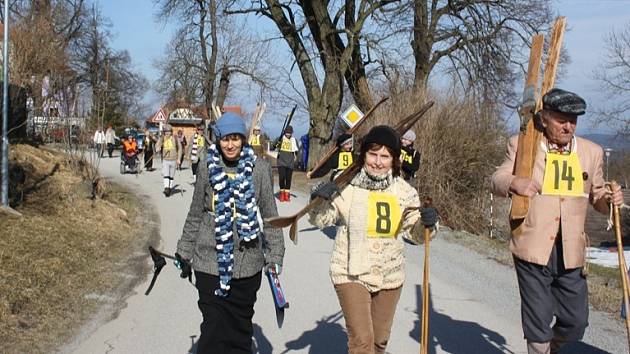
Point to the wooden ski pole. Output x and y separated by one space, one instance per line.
424 338
622 264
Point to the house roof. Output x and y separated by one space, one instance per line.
163 113
234 109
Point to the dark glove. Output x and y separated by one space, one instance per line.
183 265
325 190
428 216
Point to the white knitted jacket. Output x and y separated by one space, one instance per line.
376 263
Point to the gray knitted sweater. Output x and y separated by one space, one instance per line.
197 242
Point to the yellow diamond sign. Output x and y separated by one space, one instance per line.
351 116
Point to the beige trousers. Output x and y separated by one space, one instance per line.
369 316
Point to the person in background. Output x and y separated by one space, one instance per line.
110 139
130 151
341 160
257 142
409 156
223 240
149 149
182 141
99 142
197 151
288 148
171 150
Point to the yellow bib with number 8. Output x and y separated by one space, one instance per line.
563 176
384 215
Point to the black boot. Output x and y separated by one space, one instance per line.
167 191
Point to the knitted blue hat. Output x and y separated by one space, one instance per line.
229 123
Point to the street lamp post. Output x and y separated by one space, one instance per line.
5 109
607 152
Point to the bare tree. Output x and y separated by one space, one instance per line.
180 76
614 78
481 42
325 39
198 19
114 86
208 49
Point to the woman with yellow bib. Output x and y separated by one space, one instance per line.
287 154
197 149
340 161
367 266
171 150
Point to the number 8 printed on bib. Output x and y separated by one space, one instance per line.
384 215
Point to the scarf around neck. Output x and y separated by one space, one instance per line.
374 183
237 193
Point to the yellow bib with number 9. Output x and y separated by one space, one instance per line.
345 160
384 215
563 176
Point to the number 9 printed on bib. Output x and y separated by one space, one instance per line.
384 215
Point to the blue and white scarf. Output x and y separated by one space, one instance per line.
238 193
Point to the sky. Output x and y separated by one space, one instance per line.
137 30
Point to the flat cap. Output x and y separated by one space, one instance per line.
562 101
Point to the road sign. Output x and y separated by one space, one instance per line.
351 115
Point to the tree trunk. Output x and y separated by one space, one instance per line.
421 44
224 84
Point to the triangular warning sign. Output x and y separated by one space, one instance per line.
160 117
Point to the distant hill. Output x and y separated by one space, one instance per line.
615 142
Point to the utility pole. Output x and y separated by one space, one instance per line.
5 109
607 152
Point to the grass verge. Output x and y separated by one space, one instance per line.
603 282
67 255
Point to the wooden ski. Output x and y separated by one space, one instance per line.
344 178
260 109
530 134
216 111
334 149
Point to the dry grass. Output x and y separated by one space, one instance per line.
64 248
459 149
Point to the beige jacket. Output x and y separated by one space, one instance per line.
376 263
550 216
174 154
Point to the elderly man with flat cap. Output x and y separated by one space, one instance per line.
549 244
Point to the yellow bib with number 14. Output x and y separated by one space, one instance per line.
384 215
563 176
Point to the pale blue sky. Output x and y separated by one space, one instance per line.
137 30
